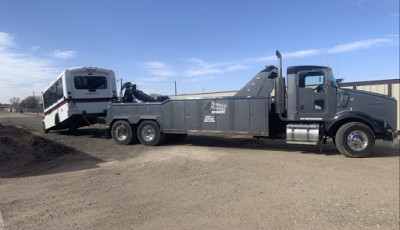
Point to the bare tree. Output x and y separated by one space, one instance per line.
29 102
15 101
39 99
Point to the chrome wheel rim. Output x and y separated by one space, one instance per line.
121 133
357 140
148 133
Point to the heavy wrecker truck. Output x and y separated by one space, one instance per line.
310 109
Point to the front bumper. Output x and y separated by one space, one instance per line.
396 138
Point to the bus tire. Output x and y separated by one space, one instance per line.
44 129
355 140
149 133
57 119
122 133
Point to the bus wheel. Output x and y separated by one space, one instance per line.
57 119
44 129
122 132
355 139
149 133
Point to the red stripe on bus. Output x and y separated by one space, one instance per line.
77 101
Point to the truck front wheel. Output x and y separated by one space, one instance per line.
149 133
355 139
122 132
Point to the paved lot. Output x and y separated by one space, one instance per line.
82 181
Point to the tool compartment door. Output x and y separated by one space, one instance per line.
242 115
259 115
208 120
192 114
222 111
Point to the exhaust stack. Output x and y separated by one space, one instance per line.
278 55
280 90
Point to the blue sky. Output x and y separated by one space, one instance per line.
210 45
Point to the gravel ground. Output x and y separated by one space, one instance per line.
83 181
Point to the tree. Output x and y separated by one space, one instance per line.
29 102
14 101
39 99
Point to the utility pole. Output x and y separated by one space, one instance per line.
175 89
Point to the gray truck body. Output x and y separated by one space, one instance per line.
225 114
311 109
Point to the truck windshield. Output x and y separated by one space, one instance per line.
333 81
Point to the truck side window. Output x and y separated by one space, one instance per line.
313 81
319 104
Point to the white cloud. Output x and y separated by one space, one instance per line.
152 79
201 71
67 54
35 48
235 67
154 65
162 72
199 67
21 74
203 68
363 44
201 79
6 41
157 68
388 40
301 53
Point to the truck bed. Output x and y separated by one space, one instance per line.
223 114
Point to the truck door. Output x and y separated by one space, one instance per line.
315 97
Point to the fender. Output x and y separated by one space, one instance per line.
134 119
375 124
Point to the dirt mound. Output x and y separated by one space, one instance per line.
21 149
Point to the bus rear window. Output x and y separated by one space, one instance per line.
90 82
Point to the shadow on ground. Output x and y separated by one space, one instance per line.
382 149
23 153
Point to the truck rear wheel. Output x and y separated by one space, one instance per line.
149 133
355 139
122 132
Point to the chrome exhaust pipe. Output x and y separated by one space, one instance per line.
279 56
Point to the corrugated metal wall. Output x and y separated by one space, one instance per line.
386 87
396 94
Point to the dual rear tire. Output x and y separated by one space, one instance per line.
148 133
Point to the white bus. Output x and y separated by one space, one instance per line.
77 98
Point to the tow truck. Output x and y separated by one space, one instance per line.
308 108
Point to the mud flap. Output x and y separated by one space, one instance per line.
107 134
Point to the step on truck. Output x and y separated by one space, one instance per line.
307 108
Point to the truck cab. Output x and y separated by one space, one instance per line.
316 105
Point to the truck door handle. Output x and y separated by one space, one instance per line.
302 107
